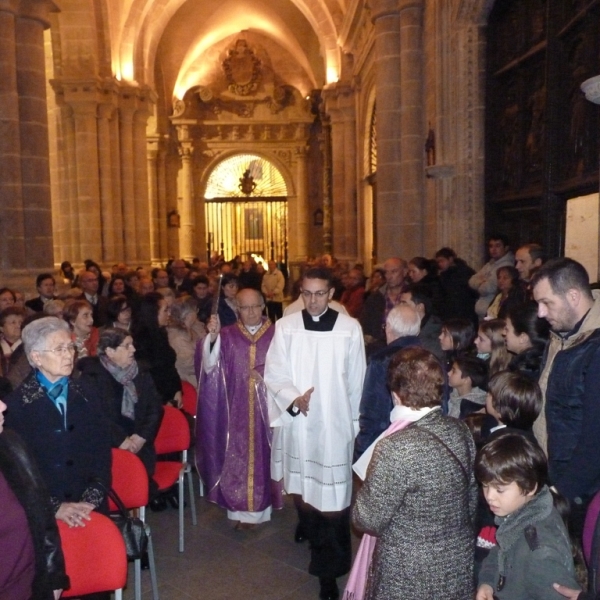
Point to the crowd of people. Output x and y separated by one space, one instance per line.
449 415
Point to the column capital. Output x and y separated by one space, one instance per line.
11 6
36 10
183 131
384 8
339 102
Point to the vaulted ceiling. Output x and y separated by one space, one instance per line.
172 45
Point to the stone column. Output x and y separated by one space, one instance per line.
386 21
115 165
140 185
69 205
12 242
186 233
301 231
88 180
338 191
151 159
111 238
325 142
162 205
409 230
126 111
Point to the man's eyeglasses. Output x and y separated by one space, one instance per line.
308 295
61 350
251 307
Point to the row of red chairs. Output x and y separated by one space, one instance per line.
95 555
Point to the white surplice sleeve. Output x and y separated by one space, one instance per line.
278 378
210 357
357 366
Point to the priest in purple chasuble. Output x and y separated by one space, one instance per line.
233 445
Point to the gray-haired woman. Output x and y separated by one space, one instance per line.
62 426
127 395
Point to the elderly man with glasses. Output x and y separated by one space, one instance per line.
233 450
314 372
63 428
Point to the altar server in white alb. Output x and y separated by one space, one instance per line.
314 373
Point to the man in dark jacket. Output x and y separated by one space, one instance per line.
569 424
401 330
45 286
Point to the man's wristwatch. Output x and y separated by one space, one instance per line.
293 410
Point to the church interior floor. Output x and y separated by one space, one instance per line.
220 563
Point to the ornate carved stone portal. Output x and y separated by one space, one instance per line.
245 107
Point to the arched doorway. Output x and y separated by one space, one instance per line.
246 209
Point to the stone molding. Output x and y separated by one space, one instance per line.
105 96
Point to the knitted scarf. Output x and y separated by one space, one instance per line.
125 377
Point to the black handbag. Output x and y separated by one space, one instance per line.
132 529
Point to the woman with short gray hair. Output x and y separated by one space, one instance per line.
127 395
62 426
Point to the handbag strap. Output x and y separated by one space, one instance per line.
114 497
450 451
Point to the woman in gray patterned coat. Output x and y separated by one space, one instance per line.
420 493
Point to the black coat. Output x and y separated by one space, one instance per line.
154 353
458 299
528 363
26 483
72 460
96 380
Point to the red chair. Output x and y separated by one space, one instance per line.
190 398
130 482
190 406
174 436
95 557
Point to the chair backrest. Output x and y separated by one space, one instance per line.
589 527
129 479
95 556
190 398
174 432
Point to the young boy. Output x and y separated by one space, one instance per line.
468 378
533 549
514 401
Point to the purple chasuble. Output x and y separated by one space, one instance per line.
233 438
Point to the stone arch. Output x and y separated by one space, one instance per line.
269 156
221 219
